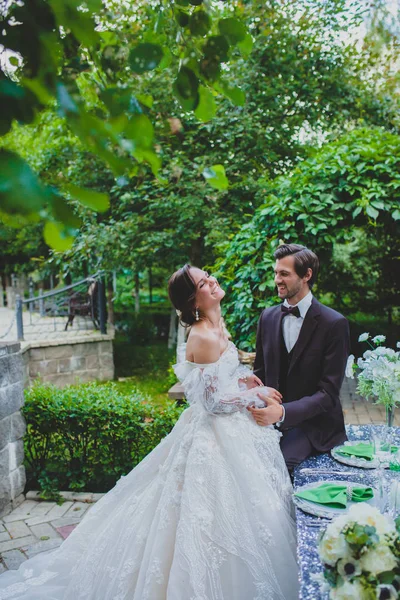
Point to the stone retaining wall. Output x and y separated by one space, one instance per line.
12 427
78 361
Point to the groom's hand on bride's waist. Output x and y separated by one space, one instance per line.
273 411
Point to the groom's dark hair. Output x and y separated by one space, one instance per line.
304 259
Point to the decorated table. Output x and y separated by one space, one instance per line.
324 468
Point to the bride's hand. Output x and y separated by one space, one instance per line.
269 394
251 381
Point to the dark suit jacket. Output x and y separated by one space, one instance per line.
315 374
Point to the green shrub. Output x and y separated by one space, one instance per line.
87 436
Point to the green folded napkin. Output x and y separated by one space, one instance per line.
335 495
363 450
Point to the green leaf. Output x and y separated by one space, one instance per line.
145 57
246 45
216 177
378 204
181 17
56 236
80 23
40 91
210 68
206 108
199 23
20 189
186 88
149 156
372 212
233 30
195 2
166 59
217 47
63 212
396 214
145 99
13 60
140 130
97 201
118 100
234 93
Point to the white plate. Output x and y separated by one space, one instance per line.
320 510
355 461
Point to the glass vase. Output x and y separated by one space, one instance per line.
389 416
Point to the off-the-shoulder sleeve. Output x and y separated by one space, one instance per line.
243 371
215 397
207 384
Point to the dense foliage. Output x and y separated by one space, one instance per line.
349 186
179 87
87 436
70 55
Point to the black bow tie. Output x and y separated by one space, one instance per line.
289 310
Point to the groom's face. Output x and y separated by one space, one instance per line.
288 283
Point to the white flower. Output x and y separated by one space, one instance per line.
378 560
386 591
398 345
363 337
348 567
332 547
349 367
365 514
379 339
348 591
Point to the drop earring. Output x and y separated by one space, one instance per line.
197 314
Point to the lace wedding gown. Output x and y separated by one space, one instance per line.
206 515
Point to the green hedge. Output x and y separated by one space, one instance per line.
85 437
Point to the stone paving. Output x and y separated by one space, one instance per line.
43 328
358 411
39 526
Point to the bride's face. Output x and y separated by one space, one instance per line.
208 291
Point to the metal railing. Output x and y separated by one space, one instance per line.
64 303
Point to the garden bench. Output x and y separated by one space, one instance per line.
84 304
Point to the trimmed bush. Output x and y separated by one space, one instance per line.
87 436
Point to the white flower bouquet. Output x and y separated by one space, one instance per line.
360 551
379 371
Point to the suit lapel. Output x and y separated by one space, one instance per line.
306 332
274 342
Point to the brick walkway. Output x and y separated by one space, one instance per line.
359 412
37 526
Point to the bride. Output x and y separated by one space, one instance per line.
207 515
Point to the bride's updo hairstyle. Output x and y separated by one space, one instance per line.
182 293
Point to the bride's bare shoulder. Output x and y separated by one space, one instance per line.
202 347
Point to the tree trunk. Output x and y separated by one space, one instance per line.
196 252
137 289
110 303
150 286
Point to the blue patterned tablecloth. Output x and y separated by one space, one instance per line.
307 536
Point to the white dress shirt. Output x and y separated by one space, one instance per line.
292 324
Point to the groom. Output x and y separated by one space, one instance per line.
302 350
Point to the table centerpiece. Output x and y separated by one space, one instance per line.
360 551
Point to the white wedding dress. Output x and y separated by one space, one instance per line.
207 515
